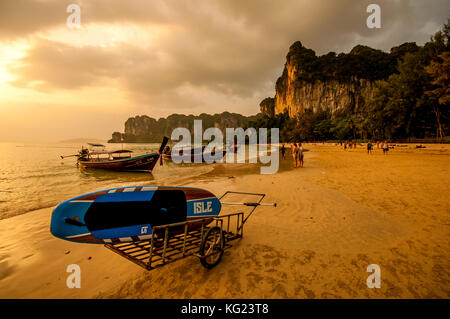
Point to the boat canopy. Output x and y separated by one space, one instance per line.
109 152
99 153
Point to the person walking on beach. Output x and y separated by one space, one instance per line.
283 150
385 148
345 146
294 154
369 147
300 154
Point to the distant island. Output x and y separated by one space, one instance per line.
145 129
83 140
364 94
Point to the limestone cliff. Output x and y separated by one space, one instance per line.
333 95
333 82
267 106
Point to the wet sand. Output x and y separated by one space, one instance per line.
340 213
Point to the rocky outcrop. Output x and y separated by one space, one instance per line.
267 106
145 129
332 95
332 82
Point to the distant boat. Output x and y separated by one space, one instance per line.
192 154
118 160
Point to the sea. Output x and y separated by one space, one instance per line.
33 175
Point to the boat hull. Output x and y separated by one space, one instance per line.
138 163
192 157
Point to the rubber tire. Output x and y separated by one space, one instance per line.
203 244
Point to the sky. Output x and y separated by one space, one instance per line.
156 58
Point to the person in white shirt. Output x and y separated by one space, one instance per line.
300 151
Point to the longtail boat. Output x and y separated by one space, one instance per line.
192 153
118 160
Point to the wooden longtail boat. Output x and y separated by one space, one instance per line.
192 154
118 160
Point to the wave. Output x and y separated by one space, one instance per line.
14 213
45 175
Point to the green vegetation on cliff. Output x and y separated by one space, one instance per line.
362 62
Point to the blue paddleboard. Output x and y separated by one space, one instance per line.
127 214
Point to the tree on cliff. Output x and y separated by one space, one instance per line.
401 105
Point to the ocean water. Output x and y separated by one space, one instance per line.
33 176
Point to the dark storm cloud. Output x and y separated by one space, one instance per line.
19 18
233 48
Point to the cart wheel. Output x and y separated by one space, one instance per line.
212 247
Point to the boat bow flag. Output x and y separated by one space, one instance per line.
161 149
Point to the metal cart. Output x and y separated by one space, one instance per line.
172 242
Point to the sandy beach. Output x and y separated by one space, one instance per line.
341 212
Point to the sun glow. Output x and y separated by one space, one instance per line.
15 95
10 55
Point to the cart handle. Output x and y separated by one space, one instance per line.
254 205
251 204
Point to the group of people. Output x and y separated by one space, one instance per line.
297 153
349 145
384 146
298 150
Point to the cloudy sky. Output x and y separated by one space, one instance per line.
156 57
